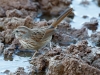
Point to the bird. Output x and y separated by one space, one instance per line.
38 37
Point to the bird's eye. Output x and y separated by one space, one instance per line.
17 31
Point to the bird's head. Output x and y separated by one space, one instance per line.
21 32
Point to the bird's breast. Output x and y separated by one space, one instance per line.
26 45
31 44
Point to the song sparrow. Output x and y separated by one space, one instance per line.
36 38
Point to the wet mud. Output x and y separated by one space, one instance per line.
75 44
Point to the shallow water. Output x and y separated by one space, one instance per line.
91 10
13 64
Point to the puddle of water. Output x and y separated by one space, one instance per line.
13 65
91 10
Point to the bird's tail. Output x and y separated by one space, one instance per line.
61 17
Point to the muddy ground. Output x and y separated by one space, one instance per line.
75 44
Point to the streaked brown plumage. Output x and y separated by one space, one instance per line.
36 38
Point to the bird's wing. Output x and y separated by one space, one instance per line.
49 32
39 34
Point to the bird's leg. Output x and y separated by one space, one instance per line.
35 53
50 46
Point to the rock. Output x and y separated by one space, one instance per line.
32 14
98 1
75 59
40 63
85 2
70 66
14 8
8 37
63 39
64 27
95 38
85 16
1 37
6 71
61 36
92 25
89 58
9 50
18 4
28 21
78 67
79 34
2 12
21 13
55 51
41 23
1 47
96 63
14 13
55 67
65 35
14 22
54 7
20 71
80 48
